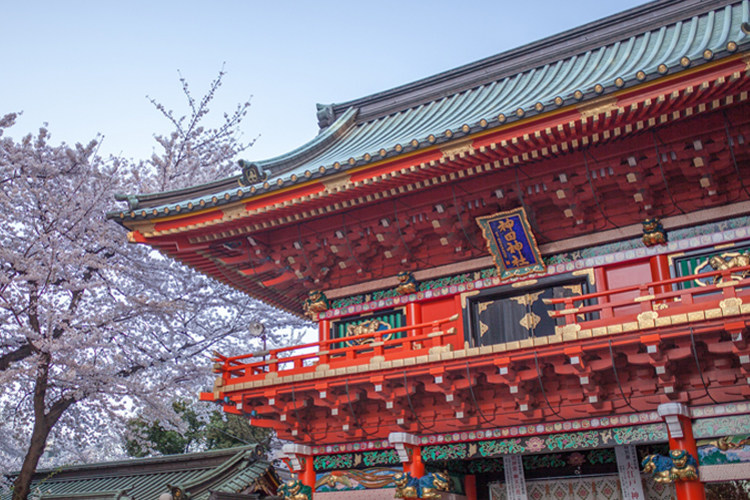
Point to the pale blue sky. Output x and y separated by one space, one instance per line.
86 67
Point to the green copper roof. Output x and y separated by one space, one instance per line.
231 470
643 44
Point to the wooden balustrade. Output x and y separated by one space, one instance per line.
361 349
602 305
590 311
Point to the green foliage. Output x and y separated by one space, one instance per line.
225 430
220 431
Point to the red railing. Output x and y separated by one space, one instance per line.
346 351
651 298
363 349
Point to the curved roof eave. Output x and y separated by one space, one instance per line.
276 166
679 38
587 37
287 161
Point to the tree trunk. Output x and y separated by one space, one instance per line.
22 484
43 424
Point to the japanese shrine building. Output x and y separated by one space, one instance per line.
531 265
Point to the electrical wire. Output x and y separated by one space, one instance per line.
698 364
617 378
461 220
540 236
415 258
400 234
302 248
351 410
474 398
349 243
264 443
593 191
411 406
296 412
541 386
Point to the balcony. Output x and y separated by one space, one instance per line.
351 353
626 349
658 304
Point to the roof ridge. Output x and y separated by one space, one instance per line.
208 474
198 484
287 161
180 457
277 165
601 32
514 85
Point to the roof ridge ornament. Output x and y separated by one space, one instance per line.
132 199
326 115
251 173
325 138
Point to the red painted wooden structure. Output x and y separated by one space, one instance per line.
669 142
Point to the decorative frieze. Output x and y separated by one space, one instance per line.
708 421
721 426
569 441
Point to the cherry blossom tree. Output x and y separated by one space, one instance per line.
94 330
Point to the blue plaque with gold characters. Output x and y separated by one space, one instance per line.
511 243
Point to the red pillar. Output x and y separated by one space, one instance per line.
600 278
417 465
660 271
680 427
324 330
307 476
300 460
470 487
414 316
409 452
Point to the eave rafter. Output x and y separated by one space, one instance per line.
574 128
341 245
309 255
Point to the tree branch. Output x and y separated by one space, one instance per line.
19 354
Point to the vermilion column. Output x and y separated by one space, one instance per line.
409 452
414 315
300 460
308 472
680 427
660 271
324 329
470 486
417 465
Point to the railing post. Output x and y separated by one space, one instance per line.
323 351
660 271
570 318
728 290
602 284
324 330
645 297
